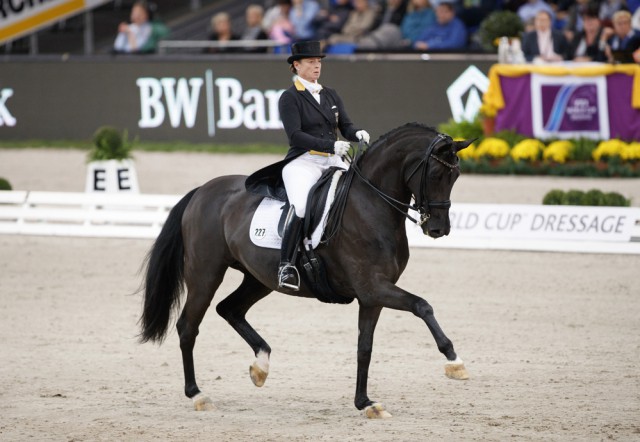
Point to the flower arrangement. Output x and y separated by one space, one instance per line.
558 151
492 147
487 111
529 149
608 149
631 152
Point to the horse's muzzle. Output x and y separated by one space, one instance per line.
436 229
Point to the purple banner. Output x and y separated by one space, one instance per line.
570 107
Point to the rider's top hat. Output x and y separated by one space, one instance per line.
305 49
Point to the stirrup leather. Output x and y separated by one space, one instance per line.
285 273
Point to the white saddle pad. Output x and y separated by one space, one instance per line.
264 225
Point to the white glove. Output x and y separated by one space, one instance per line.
341 148
363 135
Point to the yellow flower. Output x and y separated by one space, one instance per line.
492 147
487 110
468 152
558 151
528 149
609 148
631 152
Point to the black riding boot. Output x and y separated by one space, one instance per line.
288 275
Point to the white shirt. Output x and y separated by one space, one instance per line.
314 88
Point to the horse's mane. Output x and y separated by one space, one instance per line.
400 129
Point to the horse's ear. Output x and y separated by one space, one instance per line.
459 145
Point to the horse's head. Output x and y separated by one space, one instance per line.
431 181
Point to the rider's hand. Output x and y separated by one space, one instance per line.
341 148
363 135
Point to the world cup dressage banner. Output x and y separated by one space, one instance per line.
533 225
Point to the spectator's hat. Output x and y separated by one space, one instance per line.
305 49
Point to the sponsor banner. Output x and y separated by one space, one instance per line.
21 17
532 222
569 107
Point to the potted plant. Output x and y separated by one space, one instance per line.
111 167
499 24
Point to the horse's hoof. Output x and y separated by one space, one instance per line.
259 370
376 411
456 370
201 402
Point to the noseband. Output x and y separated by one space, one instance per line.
423 205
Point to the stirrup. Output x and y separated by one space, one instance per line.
281 275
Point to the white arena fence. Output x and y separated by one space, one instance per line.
474 226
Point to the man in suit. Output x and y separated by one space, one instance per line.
311 114
544 44
622 43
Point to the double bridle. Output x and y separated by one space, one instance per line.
423 206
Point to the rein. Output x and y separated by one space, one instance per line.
422 205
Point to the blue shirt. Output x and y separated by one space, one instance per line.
452 35
414 23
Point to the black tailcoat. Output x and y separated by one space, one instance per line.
309 126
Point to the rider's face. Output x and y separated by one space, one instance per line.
309 68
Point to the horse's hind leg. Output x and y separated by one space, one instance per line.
200 291
234 308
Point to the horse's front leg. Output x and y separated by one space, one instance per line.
391 296
367 320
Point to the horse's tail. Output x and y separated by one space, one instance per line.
164 275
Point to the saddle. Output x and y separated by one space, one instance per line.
320 213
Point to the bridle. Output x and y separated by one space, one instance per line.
423 205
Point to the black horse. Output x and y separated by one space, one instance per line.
208 231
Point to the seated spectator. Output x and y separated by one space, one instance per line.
393 11
635 20
585 45
276 23
544 44
332 20
221 31
419 18
528 11
608 8
301 17
253 27
622 42
448 33
386 33
472 12
133 37
573 23
359 22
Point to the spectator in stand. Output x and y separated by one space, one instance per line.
386 32
332 20
360 21
635 20
221 32
393 11
253 27
276 23
528 11
608 8
573 23
419 18
622 43
301 17
448 33
585 45
544 44
472 12
133 37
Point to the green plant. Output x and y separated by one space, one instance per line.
499 24
573 198
467 130
110 145
615 199
583 149
4 184
553 197
593 197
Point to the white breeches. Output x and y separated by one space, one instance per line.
301 174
